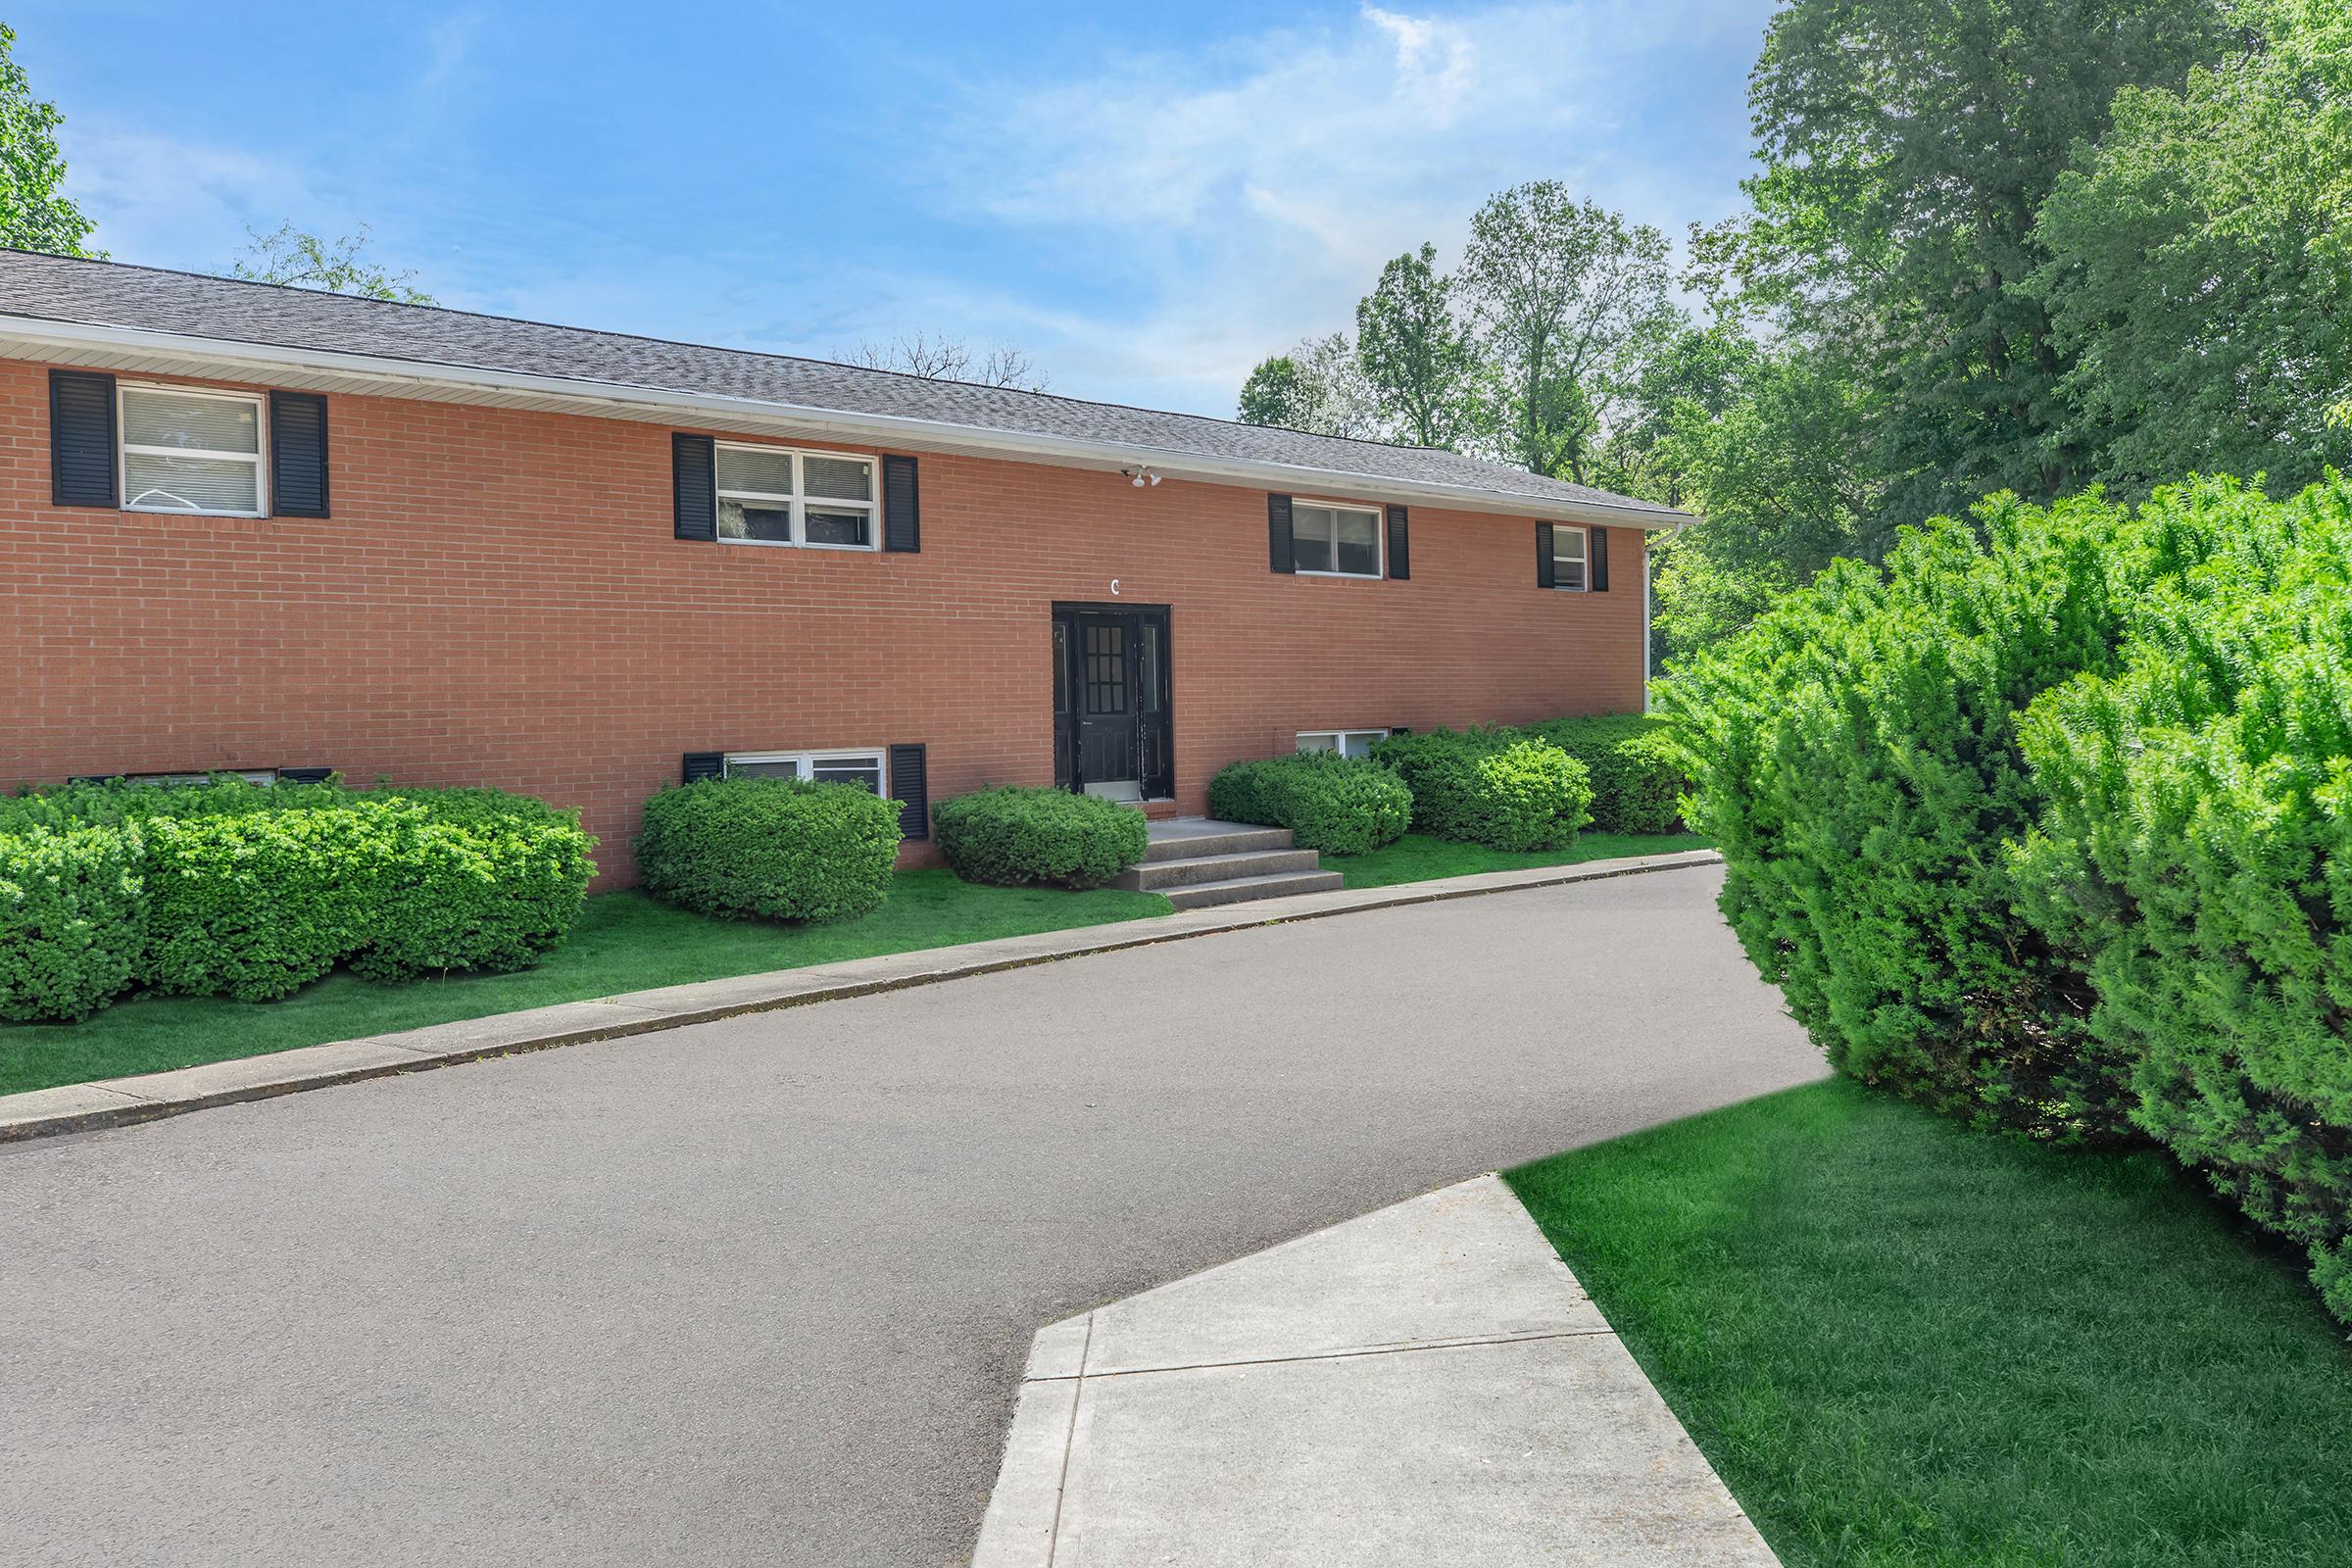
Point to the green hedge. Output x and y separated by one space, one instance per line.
73 921
780 849
227 888
2050 824
1015 836
1339 805
1490 785
1636 784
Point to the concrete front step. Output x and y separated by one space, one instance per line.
1192 838
1160 876
1240 889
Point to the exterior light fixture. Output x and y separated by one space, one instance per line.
1140 478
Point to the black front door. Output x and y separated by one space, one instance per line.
1112 729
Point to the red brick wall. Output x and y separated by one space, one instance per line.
498 599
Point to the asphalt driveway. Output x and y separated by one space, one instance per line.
759 1291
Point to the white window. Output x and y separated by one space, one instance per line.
251 775
1567 558
776 496
850 766
195 452
1346 742
1334 540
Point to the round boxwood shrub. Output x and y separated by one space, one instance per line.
781 849
71 920
1490 785
1015 836
1528 795
1637 785
1339 805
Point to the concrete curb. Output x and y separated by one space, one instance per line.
121 1101
1426 1385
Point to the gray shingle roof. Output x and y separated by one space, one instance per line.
114 295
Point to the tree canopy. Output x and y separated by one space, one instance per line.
297 259
34 213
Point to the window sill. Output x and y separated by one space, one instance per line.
184 512
1345 576
792 544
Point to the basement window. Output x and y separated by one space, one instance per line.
848 766
1331 540
1346 742
191 452
777 496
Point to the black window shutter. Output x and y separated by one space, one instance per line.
702 766
694 476
902 505
1278 534
305 775
1596 570
81 439
1543 555
911 789
1400 555
297 455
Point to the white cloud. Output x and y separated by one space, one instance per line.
166 198
449 43
1249 192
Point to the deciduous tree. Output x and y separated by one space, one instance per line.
34 212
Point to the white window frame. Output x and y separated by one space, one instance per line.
1338 738
1379 542
1584 559
798 502
805 762
258 457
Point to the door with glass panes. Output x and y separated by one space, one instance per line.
1113 734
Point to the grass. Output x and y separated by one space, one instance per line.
623 942
1418 858
1903 1343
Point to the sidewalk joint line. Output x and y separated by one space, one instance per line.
1069 1444
1399 1349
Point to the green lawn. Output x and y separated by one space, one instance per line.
1901 1343
623 942
1417 857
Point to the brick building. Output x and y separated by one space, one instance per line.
251 528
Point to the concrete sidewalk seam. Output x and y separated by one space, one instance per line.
150 1096
1393 1347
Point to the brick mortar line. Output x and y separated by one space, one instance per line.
141 1108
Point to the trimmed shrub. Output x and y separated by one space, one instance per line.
1855 756
1490 785
71 920
255 892
1528 795
1637 785
1339 805
1015 836
2050 825
2194 850
781 849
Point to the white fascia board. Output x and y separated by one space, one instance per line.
23 337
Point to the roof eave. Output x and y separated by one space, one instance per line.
231 359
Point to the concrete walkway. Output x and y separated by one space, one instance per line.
147 1097
1424 1386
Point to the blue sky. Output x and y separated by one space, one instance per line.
1146 199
